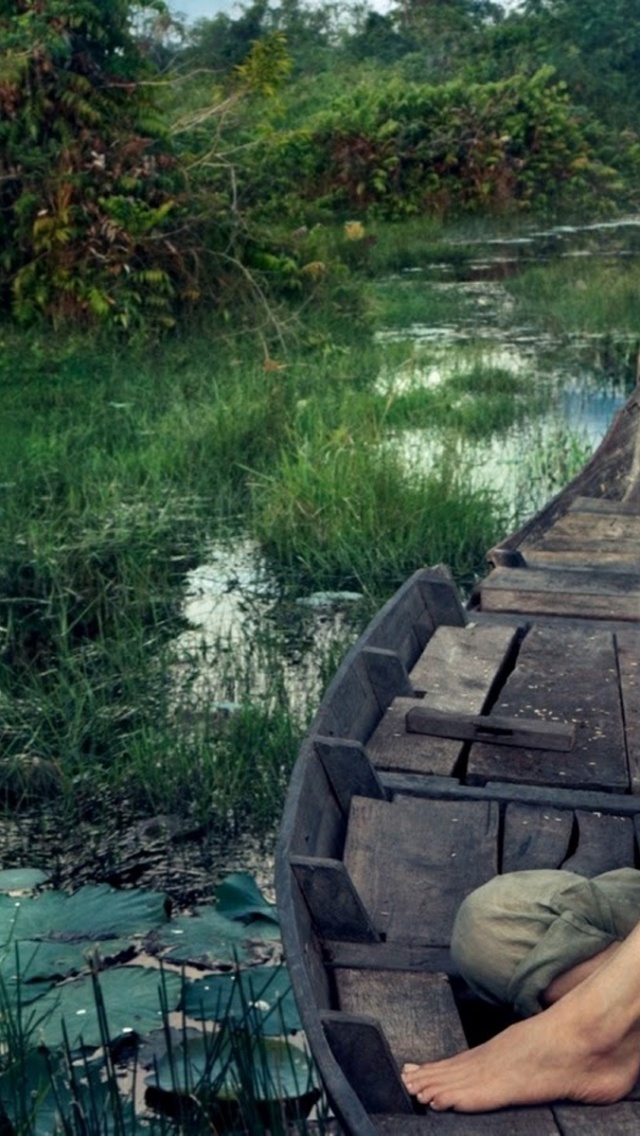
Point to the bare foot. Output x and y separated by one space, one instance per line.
583 1048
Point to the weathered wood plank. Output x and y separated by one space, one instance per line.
417 1012
589 560
535 837
621 1119
414 862
317 826
532 733
458 670
449 789
404 625
569 592
585 524
441 598
603 505
336 907
387 956
628 651
363 1053
570 674
604 843
387 674
349 770
458 667
507 1122
391 747
351 708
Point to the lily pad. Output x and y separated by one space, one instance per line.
261 996
239 897
31 961
92 913
204 938
22 879
132 997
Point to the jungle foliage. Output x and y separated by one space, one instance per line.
147 168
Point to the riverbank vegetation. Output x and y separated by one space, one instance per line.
202 343
256 280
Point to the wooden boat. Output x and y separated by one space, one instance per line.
454 743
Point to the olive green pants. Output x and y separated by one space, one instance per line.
519 931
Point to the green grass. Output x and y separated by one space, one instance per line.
577 295
319 443
470 402
343 512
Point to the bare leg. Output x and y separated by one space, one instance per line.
577 974
585 1047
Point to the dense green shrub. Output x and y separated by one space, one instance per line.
397 149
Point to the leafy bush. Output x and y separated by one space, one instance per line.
397 149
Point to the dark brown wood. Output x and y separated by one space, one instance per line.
628 653
388 956
387 674
507 1122
604 843
449 789
554 678
458 670
535 837
411 840
621 1119
603 505
336 908
363 1052
413 862
349 770
441 597
417 1011
459 666
601 595
350 710
585 559
494 729
585 524
318 826
391 747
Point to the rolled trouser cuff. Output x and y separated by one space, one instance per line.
514 935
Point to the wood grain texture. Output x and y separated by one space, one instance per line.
555 678
417 1012
628 652
348 770
604 843
532 733
567 592
535 837
457 671
507 1122
337 911
413 862
362 1051
621 1119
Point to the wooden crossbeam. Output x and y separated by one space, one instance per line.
529 733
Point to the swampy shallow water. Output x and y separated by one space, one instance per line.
247 640
579 382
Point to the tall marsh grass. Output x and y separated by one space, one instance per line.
343 512
119 468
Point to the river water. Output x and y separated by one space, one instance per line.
240 627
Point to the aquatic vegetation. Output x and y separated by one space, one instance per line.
82 1005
